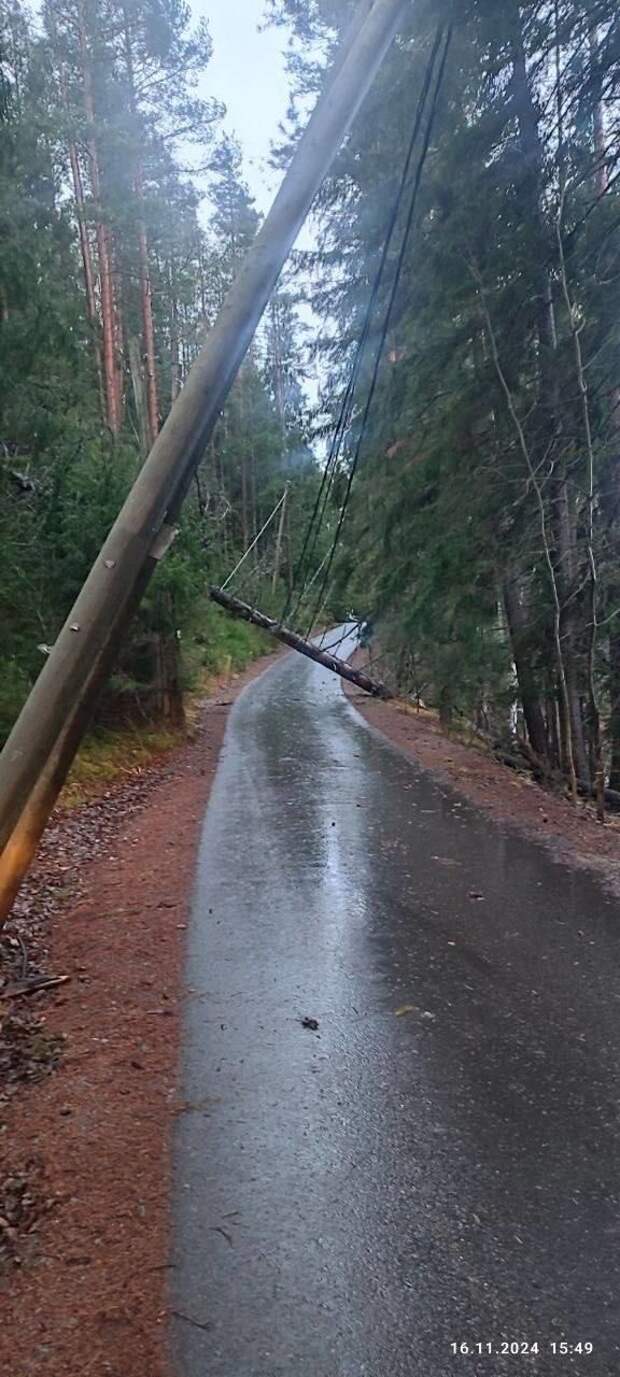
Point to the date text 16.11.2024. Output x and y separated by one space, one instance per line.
520 1348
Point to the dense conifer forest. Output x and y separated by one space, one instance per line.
481 536
124 216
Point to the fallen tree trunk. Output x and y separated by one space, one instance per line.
290 638
553 782
612 796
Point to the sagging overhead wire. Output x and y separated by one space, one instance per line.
446 37
346 407
254 542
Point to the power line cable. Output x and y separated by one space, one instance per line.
390 308
346 411
346 406
254 542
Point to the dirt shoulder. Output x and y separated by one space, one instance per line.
85 1147
514 799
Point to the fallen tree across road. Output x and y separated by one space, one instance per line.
290 638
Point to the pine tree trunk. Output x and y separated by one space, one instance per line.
174 704
278 554
290 577
279 374
111 373
549 408
614 715
613 603
517 617
613 594
175 366
137 382
601 175
571 622
244 461
119 333
254 498
148 328
202 284
244 504
554 749
146 288
87 265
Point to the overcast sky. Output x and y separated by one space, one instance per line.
247 73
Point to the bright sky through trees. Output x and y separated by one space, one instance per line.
247 73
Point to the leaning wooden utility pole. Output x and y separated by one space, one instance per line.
145 527
290 638
17 854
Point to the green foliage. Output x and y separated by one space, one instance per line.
14 685
476 468
110 273
229 645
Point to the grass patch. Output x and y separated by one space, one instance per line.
229 645
107 756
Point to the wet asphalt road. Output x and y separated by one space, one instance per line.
356 1200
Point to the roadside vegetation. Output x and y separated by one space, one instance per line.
482 536
480 539
124 216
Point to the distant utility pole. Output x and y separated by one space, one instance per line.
278 555
66 689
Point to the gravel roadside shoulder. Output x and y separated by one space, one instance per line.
89 1097
574 836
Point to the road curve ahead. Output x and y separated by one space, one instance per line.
438 1163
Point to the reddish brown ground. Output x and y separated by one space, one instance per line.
512 797
85 1152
